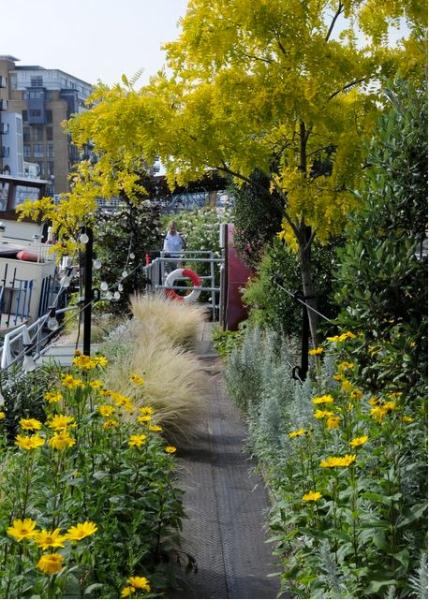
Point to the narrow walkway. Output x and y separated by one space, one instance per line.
225 505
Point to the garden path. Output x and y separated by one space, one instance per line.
225 502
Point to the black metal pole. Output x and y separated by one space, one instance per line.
86 288
304 343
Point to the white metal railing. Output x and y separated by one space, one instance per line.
156 272
15 341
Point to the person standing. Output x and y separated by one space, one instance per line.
173 246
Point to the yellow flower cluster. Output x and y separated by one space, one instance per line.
380 409
338 461
87 363
25 529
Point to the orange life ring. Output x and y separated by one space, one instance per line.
183 273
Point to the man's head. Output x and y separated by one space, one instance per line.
172 227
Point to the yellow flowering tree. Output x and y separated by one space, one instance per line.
288 87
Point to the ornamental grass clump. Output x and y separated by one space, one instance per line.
89 505
174 383
179 322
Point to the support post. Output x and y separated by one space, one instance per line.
86 288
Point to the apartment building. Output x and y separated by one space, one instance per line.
34 102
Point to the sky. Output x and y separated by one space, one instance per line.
90 39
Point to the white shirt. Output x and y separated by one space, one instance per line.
173 243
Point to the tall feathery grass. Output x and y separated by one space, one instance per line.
152 346
181 323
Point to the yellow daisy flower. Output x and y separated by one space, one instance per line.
50 564
110 424
321 414
155 428
2 415
338 461
49 539
170 449
136 379
53 397
333 422
106 410
127 591
22 529
312 496
81 530
316 351
29 442
359 441
325 399
61 422
296 433
30 424
61 440
142 419
141 583
137 441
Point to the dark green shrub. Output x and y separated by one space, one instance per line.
121 241
382 277
272 307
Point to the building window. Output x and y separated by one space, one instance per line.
49 116
37 133
50 150
38 150
27 150
37 81
24 115
49 134
35 113
27 134
50 168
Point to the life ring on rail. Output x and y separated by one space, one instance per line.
180 273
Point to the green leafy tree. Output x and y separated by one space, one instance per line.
382 278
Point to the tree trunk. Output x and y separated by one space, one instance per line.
305 240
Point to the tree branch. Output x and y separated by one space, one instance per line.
265 60
346 87
332 25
